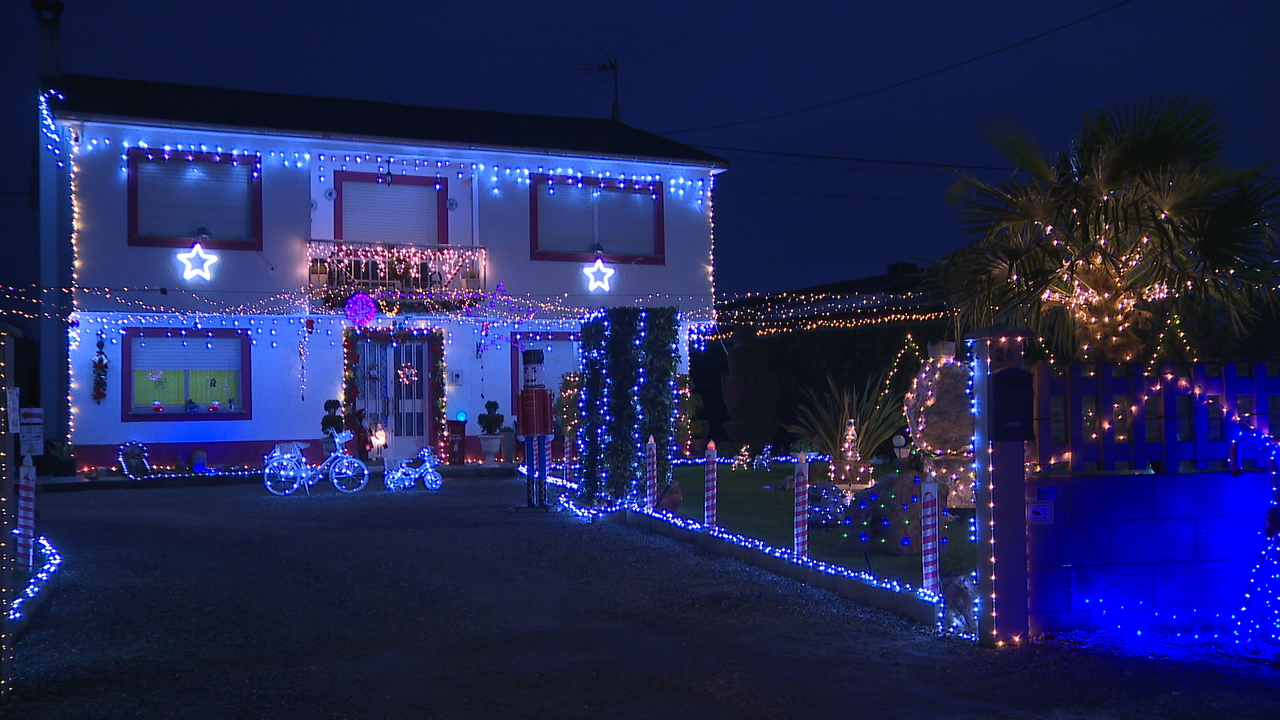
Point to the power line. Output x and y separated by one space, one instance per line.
846 158
1098 74
908 81
720 191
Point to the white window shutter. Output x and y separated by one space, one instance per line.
390 213
565 221
626 222
177 197
200 353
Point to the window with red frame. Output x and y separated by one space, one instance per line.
390 208
579 219
185 374
178 198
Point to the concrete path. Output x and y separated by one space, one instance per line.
227 602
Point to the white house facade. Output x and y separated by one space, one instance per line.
236 259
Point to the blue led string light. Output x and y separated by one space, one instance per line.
38 581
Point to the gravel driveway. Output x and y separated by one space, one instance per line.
228 602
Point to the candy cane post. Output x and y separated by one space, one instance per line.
709 488
651 473
929 536
802 506
26 534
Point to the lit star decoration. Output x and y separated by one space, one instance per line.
197 256
601 282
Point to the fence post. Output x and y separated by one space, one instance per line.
801 519
929 536
999 451
709 488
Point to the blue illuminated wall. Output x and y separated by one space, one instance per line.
1136 552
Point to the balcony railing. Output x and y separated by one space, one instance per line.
408 269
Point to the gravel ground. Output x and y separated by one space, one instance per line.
228 602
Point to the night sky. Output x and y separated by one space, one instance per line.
783 221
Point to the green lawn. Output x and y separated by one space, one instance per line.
746 508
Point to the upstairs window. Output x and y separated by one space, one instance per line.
184 374
391 209
580 219
177 198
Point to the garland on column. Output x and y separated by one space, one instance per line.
628 389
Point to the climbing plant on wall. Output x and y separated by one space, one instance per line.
628 389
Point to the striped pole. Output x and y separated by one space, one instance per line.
802 506
26 535
709 487
929 536
651 473
531 470
543 444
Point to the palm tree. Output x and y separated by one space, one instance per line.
848 425
1137 221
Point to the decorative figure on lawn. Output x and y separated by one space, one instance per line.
938 413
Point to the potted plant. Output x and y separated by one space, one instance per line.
490 425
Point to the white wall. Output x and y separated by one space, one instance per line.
105 259
489 193
279 410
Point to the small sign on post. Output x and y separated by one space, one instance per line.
801 524
11 408
709 488
929 536
31 431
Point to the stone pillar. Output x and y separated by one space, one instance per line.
1003 410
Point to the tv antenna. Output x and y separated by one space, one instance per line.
610 69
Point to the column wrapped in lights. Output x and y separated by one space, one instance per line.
629 358
1001 426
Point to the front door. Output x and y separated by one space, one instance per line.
408 413
391 379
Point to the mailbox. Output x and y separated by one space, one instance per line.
1012 416
456 448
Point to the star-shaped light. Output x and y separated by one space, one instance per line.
601 282
197 256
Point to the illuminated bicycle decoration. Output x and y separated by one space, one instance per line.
285 470
423 466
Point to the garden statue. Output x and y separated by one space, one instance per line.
938 413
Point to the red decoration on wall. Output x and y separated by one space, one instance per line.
100 373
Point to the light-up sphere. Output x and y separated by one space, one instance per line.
461 416
361 309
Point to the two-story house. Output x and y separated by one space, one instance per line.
235 259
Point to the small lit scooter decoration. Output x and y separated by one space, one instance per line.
598 275
194 257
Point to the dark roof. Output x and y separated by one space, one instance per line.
88 96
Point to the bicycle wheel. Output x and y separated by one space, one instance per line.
281 476
399 479
431 479
348 474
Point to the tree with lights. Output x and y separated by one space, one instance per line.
1100 249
